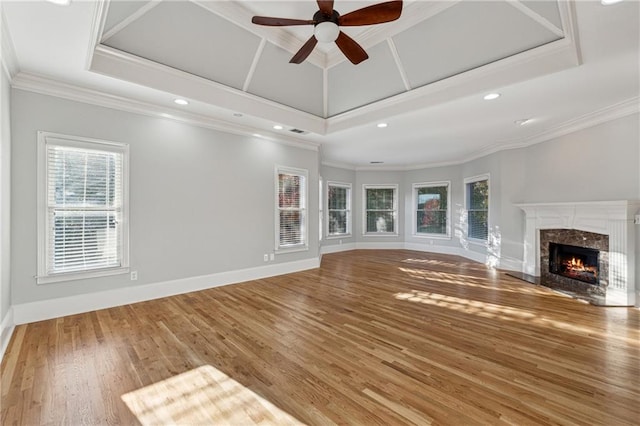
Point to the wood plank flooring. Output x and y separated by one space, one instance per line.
371 337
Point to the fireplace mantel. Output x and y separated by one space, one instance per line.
612 218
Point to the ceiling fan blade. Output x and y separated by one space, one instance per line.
280 22
325 6
304 51
376 14
352 50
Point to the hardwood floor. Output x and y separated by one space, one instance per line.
371 337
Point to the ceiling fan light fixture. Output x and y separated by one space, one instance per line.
326 32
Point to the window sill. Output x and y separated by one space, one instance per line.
433 236
477 242
82 275
286 250
338 236
380 234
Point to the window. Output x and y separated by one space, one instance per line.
339 208
82 194
291 204
431 201
477 203
380 209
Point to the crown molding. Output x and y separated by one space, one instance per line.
8 53
594 118
124 66
343 166
46 86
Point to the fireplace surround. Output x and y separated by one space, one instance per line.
606 226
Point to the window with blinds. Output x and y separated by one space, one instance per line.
380 209
291 207
83 193
431 201
339 209
477 200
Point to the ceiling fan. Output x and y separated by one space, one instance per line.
327 22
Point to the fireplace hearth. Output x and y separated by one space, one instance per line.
578 263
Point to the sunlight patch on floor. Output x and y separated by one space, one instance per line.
458 279
491 310
204 395
484 309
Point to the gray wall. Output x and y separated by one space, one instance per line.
201 201
599 163
5 195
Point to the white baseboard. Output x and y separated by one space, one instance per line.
54 308
6 331
336 248
380 246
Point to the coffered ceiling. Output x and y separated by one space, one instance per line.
554 62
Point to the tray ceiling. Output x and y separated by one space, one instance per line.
214 43
561 65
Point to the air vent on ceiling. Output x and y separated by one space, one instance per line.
298 131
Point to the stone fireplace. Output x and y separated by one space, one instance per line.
597 249
575 261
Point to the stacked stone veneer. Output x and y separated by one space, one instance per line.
593 293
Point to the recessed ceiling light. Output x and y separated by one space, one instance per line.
382 125
609 2
60 2
181 101
257 135
491 96
278 127
522 121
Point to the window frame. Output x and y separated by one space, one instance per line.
304 246
348 210
395 211
467 200
415 188
45 139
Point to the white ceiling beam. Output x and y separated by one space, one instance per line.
396 58
412 14
241 16
254 64
536 17
129 20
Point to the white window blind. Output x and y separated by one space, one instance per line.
477 197
85 194
339 206
291 206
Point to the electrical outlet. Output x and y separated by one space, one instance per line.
272 257
266 257
134 275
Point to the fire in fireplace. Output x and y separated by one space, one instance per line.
578 263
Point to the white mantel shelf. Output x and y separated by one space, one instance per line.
612 218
